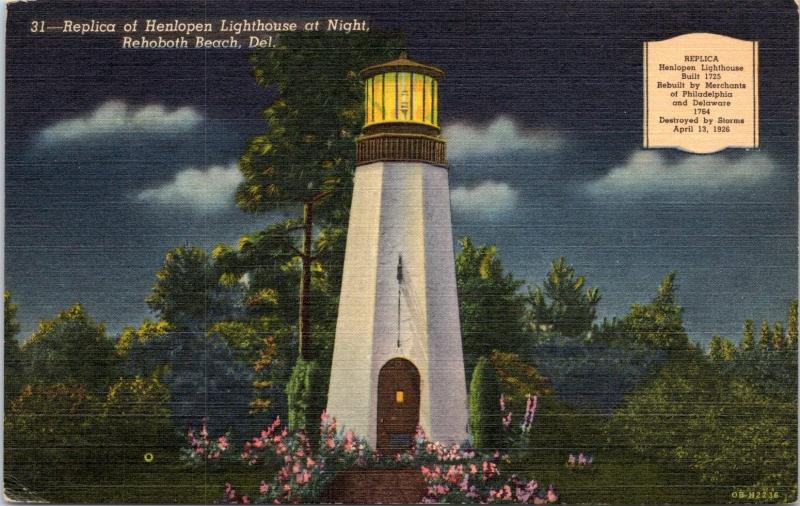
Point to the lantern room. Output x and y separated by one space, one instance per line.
401 91
401 113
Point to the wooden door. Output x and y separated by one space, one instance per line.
398 405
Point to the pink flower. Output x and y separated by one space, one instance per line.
507 420
552 496
264 487
502 402
258 443
454 474
245 499
230 493
348 441
283 474
489 470
311 462
302 477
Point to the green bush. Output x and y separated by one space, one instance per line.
306 396
136 418
485 419
51 434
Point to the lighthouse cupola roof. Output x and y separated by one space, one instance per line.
402 64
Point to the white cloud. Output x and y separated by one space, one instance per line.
500 136
489 200
115 117
205 190
648 172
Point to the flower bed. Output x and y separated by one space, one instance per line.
451 474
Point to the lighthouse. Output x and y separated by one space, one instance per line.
397 358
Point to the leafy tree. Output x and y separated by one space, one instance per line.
147 331
306 158
748 338
71 349
484 409
187 294
266 261
517 379
206 378
765 337
659 324
791 331
778 337
491 309
13 366
267 347
562 305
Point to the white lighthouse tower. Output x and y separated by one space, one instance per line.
397 359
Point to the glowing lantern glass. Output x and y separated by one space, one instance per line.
401 91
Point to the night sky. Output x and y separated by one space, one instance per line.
114 156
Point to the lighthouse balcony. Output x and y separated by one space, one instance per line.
386 147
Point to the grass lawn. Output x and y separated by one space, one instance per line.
162 481
620 479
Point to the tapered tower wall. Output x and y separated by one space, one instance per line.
400 209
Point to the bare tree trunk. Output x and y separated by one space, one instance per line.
306 346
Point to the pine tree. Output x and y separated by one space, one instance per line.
791 331
715 348
748 339
764 337
659 324
563 305
778 337
721 349
727 350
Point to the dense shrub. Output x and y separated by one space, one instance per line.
136 417
485 419
53 427
719 425
306 395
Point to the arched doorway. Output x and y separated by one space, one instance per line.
398 405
